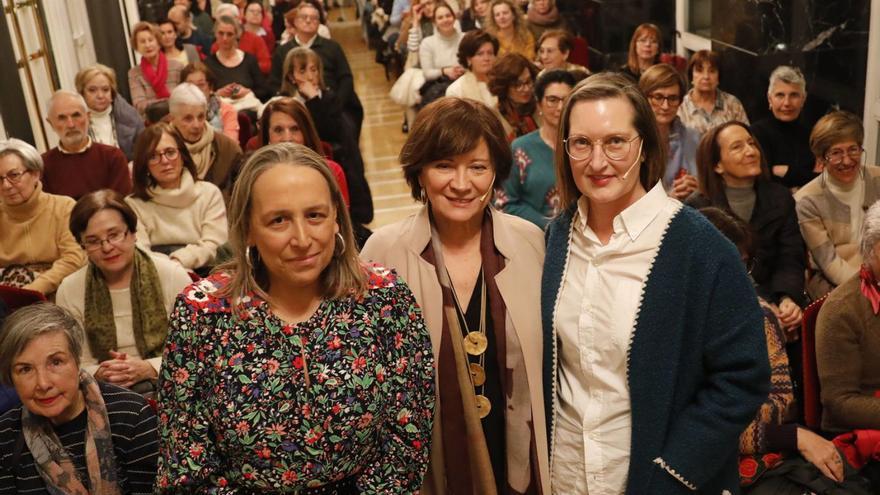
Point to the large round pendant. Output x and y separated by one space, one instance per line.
483 406
478 374
475 343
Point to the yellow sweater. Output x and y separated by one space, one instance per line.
37 232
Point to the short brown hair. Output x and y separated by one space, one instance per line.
608 85
144 26
85 75
93 202
562 37
298 112
711 184
199 66
144 147
470 44
702 58
449 127
834 128
662 76
632 59
505 73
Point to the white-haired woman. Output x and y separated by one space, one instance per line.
112 120
237 71
36 248
784 138
69 431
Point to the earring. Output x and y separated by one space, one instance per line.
251 257
423 196
337 251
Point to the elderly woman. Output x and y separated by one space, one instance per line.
179 214
237 72
123 296
36 248
831 207
70 431
154 78
644 50
848 343
112 120
554 47
505 21
476 53
214 154
512 80
221 115
325 365
530 192
653 340
468 265
783 137
705 105
664 87
733 176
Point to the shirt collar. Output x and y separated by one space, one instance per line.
635 218
81 150
303 44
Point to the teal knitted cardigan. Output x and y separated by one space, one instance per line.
697 362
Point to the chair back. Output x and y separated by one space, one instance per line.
580 52
812 398
16 297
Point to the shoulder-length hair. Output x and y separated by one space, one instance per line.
344 276
632 60
298 57
87 74
710 182
602 86
144 147
520 29
505 74
298 112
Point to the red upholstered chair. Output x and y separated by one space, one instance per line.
15 297
244 129
580 52
812 398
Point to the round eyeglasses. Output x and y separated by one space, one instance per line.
581 147
835 157
169 154
14 177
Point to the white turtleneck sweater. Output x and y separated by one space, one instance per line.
438 51
102 127
852 195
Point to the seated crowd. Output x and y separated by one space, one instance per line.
222 320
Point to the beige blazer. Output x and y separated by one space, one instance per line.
400 245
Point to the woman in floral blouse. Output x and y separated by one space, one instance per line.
295 368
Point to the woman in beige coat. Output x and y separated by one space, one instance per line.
476 273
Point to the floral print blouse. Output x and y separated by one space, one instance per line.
248 403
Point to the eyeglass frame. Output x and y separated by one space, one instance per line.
855 155
601 143
16 180
156 157
654 97
522 85
98 243
558 99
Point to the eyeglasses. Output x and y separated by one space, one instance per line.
581 147
113 238
13 177
835 157
308 18
169 154
554 100
658 99
521 85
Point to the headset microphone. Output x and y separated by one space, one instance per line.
488 191
634 163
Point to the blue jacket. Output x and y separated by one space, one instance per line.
697 361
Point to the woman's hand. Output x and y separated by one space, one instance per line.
821 453
789 312
683 186
124 371
453 72
226 91
307 89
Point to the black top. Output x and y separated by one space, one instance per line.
247 74
135 443
786 143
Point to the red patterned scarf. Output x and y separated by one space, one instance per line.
156 76
869 287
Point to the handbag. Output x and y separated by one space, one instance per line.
406 89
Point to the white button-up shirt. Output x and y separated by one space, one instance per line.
594 319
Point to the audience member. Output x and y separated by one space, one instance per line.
8 397
681 359
831 207
155 76
474 17
173 48
78 165
290 25
783 137
247 41
112 120
664 87
467 264
36 248
554 47
187 32
70 432
421 24
530 192
179 214
221 115
253 23
215 156
644 50
512 80
705 105
733 176
304 318
505 21
438 55
476 53
123 296
239 79
542 16
201 14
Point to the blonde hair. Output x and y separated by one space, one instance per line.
345 275
833 128
521 30
85 75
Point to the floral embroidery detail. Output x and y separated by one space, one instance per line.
236 409
522 161
552 200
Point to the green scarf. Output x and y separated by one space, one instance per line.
149 319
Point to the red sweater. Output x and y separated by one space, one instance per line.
99 167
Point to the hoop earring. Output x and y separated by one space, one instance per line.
423 196
337 251
252 258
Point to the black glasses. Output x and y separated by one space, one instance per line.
658 99
96 243
835 157
169 154
581 147
13 177
522 85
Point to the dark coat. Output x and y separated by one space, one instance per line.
129 125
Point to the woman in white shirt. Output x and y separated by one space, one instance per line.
438 53
122 297
476 52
